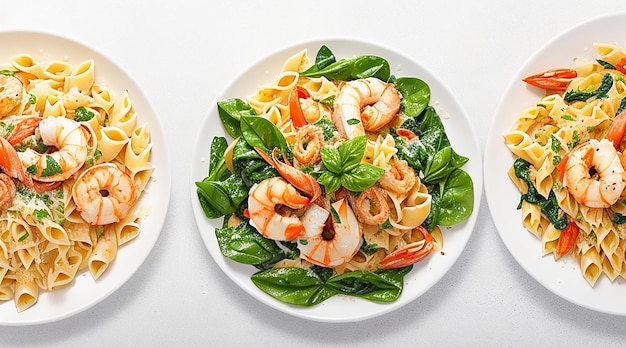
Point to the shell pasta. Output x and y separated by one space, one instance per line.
75 162
569 163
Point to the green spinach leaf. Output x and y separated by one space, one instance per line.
231 111
415 95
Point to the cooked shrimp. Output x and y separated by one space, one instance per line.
104 194
372 206
602 189
23 129
264 200
330 247
304 182
365 104
309 141
399 177
11 90
7 191
70 140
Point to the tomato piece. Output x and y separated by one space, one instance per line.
621 66
295 109
567 239
554 80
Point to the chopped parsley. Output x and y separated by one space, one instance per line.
52 167
82 114
24 236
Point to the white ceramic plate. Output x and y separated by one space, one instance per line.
425 273
564 277
84 292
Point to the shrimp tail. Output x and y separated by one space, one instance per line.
305 183
11 165
23 129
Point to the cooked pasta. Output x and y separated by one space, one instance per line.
75 162
569 164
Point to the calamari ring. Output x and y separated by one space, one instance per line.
399 177
309 141
372 206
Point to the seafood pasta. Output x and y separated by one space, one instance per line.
336 180
73 163
570 162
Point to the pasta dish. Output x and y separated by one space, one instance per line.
569 163
73 163
336 180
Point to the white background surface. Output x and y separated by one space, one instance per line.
184 52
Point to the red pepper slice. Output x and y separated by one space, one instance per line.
621 66
554 80
567 239
295 109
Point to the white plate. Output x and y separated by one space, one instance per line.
424 274
564 277
84 292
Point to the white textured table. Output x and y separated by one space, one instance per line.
179 297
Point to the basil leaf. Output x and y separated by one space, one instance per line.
361 177
415 95
330 181
332 159
231 111
351 152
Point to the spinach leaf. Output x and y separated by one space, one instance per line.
456 202
220 198
294 285
353 68
302 287
214 200
600 92
415 95
549 206
217 165
444 162
245 245
324 58
231 111
260 132
381 286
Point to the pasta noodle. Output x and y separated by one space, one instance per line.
51 230
559 186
